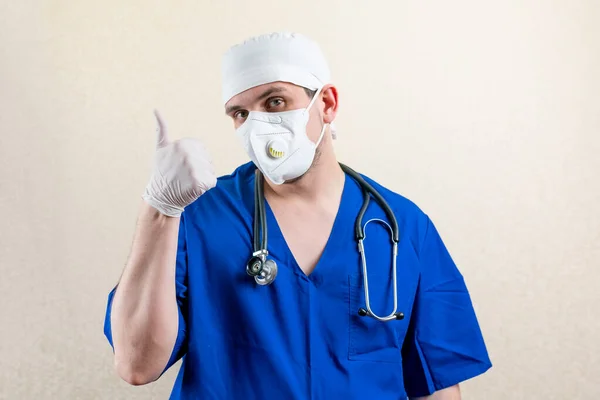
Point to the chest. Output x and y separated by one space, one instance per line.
306 231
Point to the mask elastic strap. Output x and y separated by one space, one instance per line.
312 101
308 108
321 136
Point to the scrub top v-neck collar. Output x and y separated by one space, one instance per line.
336 241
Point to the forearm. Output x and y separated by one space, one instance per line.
451 393
144 315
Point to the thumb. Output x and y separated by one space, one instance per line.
162 139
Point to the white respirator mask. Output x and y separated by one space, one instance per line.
277 142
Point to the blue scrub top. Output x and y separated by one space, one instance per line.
301 337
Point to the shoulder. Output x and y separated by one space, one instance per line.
229 194
397 201
412 219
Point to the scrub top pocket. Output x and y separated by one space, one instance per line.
370 339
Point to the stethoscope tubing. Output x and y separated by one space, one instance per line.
270 271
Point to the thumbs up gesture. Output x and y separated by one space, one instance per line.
182 172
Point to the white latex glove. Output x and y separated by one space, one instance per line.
183 171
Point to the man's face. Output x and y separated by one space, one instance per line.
276 97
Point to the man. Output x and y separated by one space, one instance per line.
185 291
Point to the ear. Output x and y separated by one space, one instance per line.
329 96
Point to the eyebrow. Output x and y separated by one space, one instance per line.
263 95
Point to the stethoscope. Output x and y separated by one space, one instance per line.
264 269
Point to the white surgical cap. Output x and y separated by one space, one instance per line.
287 57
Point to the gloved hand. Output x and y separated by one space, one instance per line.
182 172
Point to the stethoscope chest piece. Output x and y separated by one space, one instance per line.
261 268
268 273
264 271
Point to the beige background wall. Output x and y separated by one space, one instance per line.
485 113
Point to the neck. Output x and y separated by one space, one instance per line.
324 180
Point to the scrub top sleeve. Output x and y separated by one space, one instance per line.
180 346
444 344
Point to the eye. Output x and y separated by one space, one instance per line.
276 102
241 114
